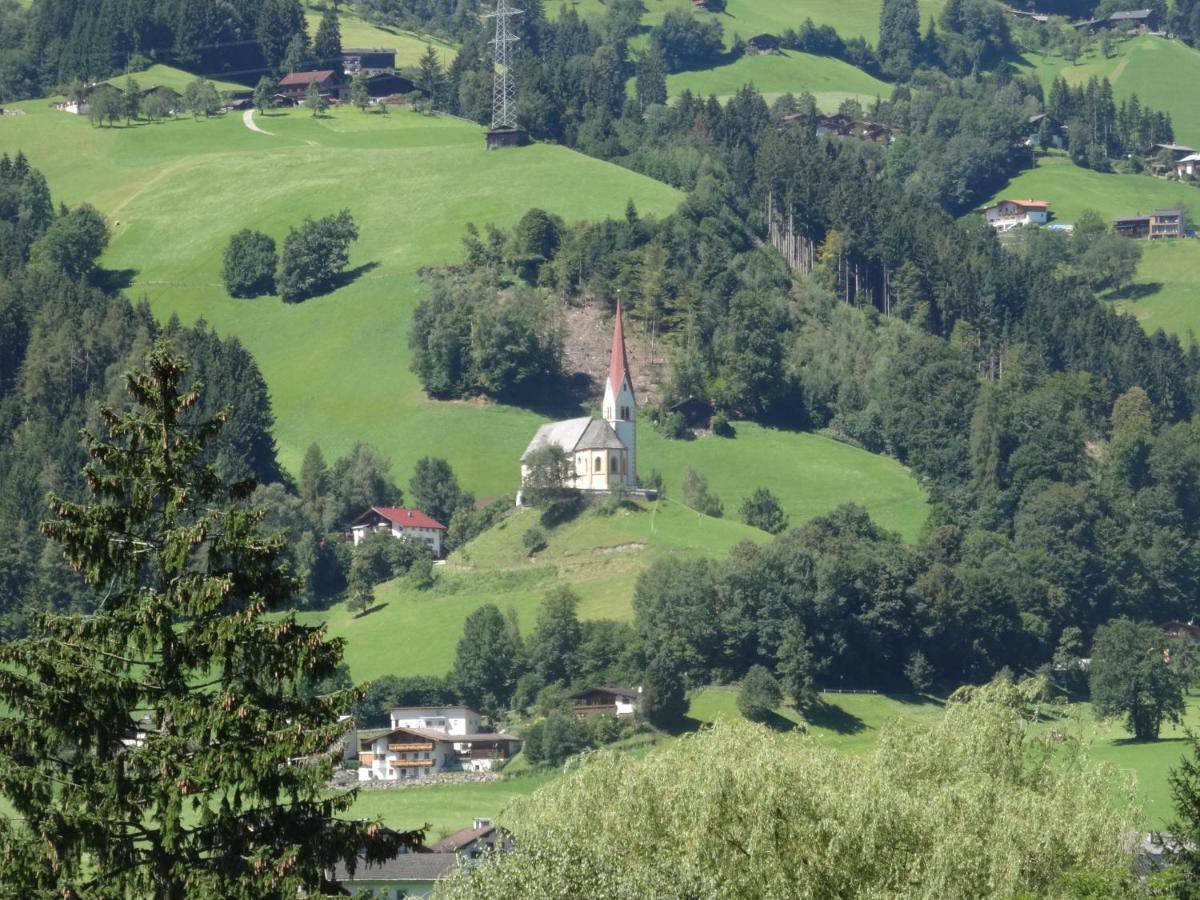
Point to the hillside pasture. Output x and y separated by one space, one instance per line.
830 80
1165 293
1137 66
176 79
746 18
358 33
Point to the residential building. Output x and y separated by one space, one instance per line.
388 84
1188 165
446 719
1134 19
1178 629
401 523
471 843
1160 224
405 754
762 45
1009 214
1058 131
606 700
408 875
602 452
294 87
371 61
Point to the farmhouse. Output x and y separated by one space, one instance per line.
294 87
402 523
1188 165
1134 19
369 61
606 700
388 84
1056 129
1161 224
762 45
602 453
471 843
409 874
425 741
1009 214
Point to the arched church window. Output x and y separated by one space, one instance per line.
599 464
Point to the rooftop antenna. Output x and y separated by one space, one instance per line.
504 131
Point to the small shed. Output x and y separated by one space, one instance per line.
763 44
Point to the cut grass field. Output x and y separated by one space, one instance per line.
1137 67
830 80
746 18
360 34
338 366
1166 291
165 76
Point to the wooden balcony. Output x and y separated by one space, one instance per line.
412 763
407 748
366 758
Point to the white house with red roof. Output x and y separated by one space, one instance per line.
602 451
427 740
1009 214
402 523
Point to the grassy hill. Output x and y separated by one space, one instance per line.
338 366
1166 292
851 18
1158 70
356 32
165 76
830 80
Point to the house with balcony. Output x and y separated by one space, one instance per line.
1160 224
606 700
428 740
1008 214
401 523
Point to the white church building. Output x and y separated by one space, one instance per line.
603 452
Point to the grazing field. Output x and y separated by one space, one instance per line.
746 18
830 80
356 32
445 808
598 556
1137 67
165 76
1166 291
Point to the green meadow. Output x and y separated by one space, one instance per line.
356 32
165 76
830 80
1166 290
1138 66
746 18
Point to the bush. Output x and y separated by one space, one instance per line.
672 426
919 673
759 695
720 425
534 540
250 263
762 510
697 495
315 255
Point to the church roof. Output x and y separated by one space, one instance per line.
618 366
575 434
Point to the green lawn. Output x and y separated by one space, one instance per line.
445 808
830 80
1166 292
746 18
409 46
176 79
1138 67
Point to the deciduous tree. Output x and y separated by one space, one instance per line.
1131 678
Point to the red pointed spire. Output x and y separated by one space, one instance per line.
618 366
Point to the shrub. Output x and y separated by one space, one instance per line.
762 510
534 540
720 425
697 495
315 255
759 695
250 263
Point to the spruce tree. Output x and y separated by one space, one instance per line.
327 45
164 746
430 79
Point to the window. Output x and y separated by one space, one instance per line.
599 466
613 467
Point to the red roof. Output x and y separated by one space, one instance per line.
1028 204
408 518
618 366
301 79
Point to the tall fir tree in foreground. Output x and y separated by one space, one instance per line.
165 746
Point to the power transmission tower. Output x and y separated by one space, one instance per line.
504 131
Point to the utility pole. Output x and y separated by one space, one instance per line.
504 131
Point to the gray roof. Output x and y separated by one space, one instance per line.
1130 14
575 434
403 867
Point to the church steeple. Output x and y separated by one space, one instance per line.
620 406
